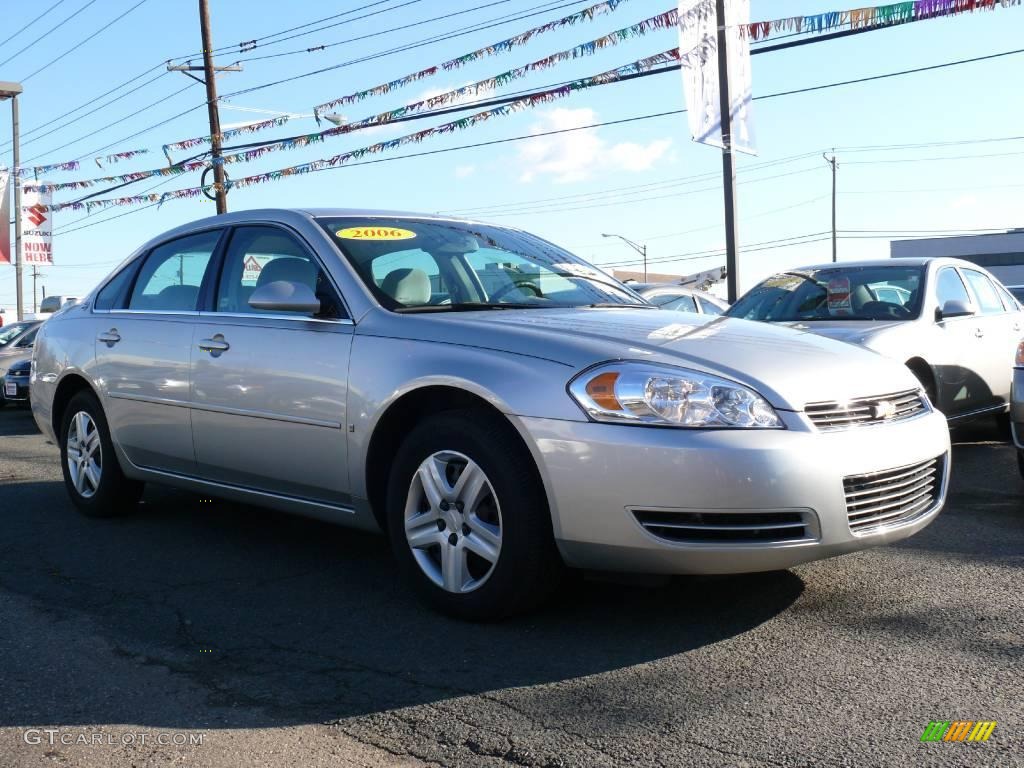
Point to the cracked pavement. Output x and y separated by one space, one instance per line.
288 642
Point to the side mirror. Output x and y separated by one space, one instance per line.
954 308
285 296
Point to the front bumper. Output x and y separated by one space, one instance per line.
14 389
1017 408
596 475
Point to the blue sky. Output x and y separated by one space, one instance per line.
577 177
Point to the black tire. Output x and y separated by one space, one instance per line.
115 494
1020 462
528 567
924 375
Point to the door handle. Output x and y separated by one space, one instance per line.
110 338
979 332
214 346
1016 326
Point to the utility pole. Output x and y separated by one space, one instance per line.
641 249
832 161
210 81
728 159
35 274
211 104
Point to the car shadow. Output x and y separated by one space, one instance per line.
984 513
15 420
277 620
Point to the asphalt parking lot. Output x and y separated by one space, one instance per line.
283 641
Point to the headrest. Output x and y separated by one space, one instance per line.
176 297
407 286
288 268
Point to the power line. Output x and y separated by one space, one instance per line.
47 32
499 21
88 103
319 48
78 45
346 21
401 49
661 114
255 41
159 101
37 18
96 109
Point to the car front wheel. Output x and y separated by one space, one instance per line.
92 475
468 519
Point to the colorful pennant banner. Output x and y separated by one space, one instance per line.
872 16
585 15
117 157
518 105
661 21
275 122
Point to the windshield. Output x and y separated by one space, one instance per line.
835 293
414 265
9 332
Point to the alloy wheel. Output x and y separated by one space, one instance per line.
453 522
85 454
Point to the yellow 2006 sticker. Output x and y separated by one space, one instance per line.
375 233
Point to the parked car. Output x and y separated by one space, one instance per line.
351 366
953 325
16 380
16 343
680 299
51 304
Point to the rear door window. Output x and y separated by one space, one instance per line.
172 274
988 297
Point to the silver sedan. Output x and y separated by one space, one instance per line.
952 323
498 407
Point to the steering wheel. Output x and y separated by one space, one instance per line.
521 284
883 310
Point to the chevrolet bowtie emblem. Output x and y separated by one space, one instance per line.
883 409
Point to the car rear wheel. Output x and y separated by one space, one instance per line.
92 475
468 519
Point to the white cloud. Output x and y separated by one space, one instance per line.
580 155
462 171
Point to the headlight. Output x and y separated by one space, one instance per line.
640 393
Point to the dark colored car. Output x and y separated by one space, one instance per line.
16 381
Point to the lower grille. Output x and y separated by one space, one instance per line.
893 496
725 527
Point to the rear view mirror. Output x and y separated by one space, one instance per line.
285 296
954 308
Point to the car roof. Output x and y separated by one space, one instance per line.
294 216
910 261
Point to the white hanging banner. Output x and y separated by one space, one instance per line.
5 219
36 227
698 47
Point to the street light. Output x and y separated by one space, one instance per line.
11 91
641 249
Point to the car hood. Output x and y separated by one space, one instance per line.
850 331
790 367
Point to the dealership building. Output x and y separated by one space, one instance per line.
1001 253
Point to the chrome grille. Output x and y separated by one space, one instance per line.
726 527
866 410
893 496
